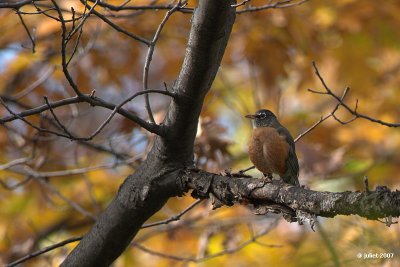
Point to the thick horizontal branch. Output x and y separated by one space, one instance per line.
227 190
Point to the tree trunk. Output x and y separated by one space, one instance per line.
147 190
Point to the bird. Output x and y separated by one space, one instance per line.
272 148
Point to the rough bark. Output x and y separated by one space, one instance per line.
146 191
227 190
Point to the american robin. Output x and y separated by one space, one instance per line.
272 149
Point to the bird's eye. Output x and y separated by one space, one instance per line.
262 115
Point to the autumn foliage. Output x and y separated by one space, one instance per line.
53 187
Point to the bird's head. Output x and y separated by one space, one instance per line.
263 118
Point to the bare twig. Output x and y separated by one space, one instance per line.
14 162
279 4
63 50
241 3
82 20
15 4
116 27
75 46
329 244
52 174
340 100
35 84
115 110
388 221
56 119
44 250
366 184
124 6
37 128
16 185
50 8
69 202
94 101
174 218
251 240
31 37
324 118
39 109
149 56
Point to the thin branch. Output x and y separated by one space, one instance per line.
124 6
101 148
149 56
84 17
69 202
37 128
50 8
75 46
328 243
16 185
56 119
108 119
63 50
340 100
39 11
14 162
279 4
227 251
117 108
94 101
31 37
174 218
15 5
44 250
241 3
52 174
116 27
35 84
324 118
39 109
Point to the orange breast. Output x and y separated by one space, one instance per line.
268 150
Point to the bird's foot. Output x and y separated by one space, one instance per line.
228 172
267 177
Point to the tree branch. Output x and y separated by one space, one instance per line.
15 4
116 27
149 57
124 6
94 101
44 250
146 191
278 4
341 102
227 190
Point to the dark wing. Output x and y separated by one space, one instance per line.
292 173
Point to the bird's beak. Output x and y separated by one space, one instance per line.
251 116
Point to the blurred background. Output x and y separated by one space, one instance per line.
52 188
